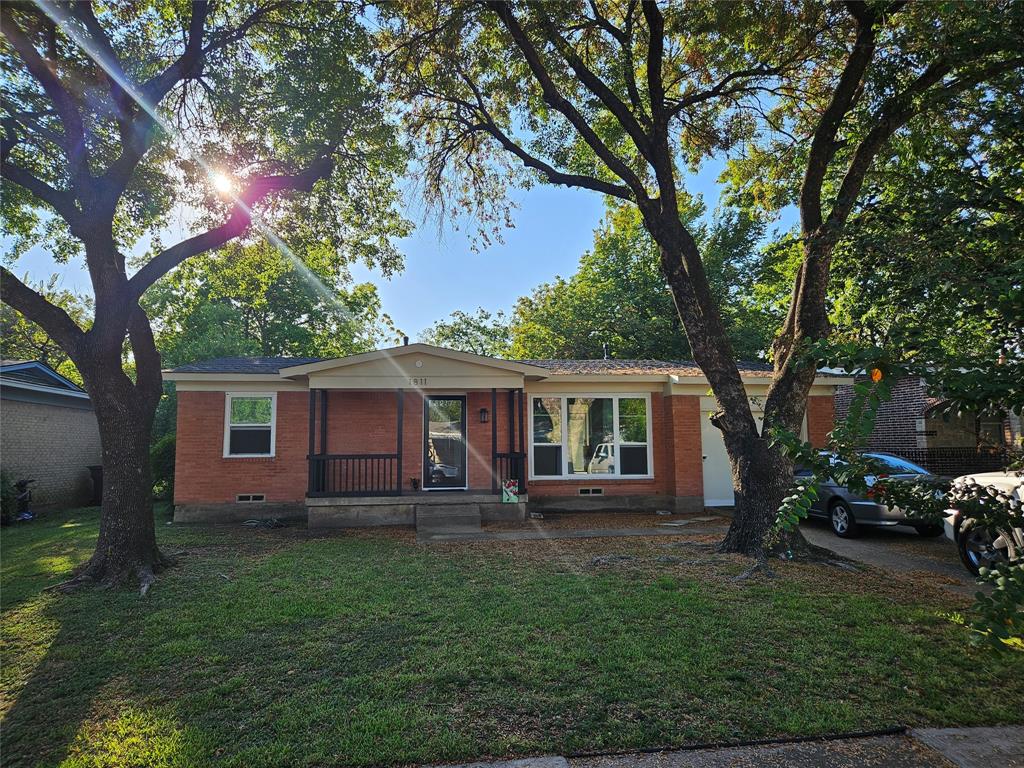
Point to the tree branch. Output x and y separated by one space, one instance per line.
185 65
719 89
608 97
553 174
237 223
655 60
61 201
624 37
51 318
554 98
823 141
897 112
74 129
84 13
486 123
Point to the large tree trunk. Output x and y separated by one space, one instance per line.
761 474
761 477
126 550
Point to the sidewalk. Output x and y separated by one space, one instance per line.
917 748
565 533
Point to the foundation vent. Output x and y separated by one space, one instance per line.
591 491
248 498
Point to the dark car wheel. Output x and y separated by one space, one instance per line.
929 531
976 549
843 523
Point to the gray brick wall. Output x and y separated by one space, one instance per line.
53 445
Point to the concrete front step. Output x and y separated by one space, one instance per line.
447 518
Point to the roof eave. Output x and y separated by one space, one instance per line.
62 391
409 349
219 376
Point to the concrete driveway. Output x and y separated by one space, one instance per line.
917 748
897 549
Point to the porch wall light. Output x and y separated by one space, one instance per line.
484 416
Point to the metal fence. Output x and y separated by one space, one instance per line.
953 462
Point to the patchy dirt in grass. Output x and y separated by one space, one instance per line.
597 520
687 557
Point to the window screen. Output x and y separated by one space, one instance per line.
250 425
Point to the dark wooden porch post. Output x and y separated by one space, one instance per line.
323 421
511 421
494 440
312 441
522 440
522 422
401 432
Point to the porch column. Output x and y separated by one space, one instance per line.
522 421
323 421
522 440
494 440
312 441
511 421
400 394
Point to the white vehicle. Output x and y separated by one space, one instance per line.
603 461
979 547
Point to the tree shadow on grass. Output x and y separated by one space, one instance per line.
66 657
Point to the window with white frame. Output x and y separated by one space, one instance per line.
591 436
249 424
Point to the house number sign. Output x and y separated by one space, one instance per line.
417 381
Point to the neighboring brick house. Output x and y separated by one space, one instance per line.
48 433
915 426
365 439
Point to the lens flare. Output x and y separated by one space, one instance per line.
223 183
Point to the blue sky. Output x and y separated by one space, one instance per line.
553 228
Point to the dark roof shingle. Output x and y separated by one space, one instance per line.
245 364
272 365
637 367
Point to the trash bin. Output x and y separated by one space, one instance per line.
97 484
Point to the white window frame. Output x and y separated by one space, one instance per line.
227 425
618 442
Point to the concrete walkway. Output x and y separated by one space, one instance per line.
566 533
919 748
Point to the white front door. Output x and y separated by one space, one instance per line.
717 472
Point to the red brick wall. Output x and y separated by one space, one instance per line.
820 419
365 422
480 435
687 464
203 475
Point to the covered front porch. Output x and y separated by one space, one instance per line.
423 445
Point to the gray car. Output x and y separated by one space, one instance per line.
847 512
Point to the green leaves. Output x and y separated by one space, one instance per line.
998 617
252 300
481 333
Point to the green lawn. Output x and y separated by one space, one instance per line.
267 648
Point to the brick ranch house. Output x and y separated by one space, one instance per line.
371 438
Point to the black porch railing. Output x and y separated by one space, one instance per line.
510 466
365 474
